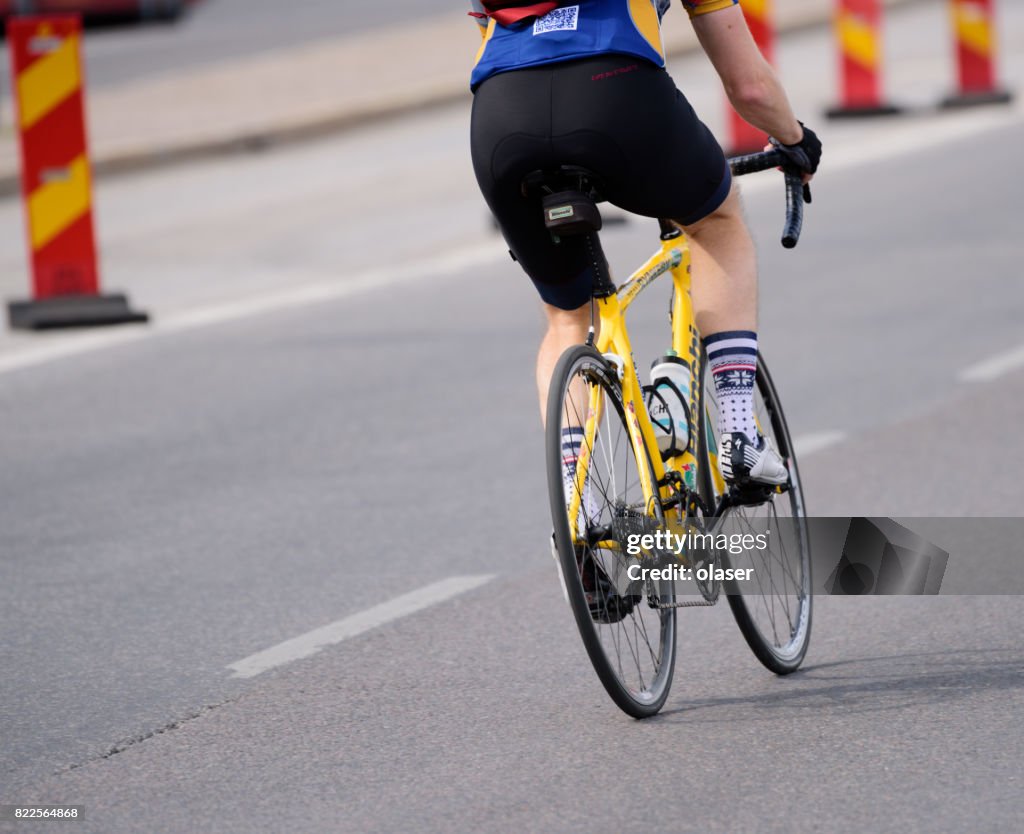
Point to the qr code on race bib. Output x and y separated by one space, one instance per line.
559 20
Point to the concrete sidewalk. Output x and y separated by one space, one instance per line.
297 93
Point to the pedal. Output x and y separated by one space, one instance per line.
751 495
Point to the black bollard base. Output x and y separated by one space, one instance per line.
863 112
73 311
960 100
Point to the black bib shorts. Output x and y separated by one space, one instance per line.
619 116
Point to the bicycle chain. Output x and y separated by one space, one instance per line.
697 603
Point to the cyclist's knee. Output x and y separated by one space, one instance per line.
559 319
728 214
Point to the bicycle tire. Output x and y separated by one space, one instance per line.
781 656
641 686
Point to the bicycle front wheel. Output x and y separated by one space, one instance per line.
773 609
627 625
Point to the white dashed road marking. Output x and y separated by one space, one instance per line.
994 367
807 444
308 644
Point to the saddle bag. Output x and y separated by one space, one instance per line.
571 213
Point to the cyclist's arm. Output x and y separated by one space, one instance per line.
750 82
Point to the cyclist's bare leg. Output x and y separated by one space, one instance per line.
565 329
724 269
725 299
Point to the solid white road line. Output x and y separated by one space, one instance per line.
312 642
916 136
320 289
993 367
913 137
61 346
806 445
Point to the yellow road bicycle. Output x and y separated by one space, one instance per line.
625 512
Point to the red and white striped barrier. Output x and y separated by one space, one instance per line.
742 137
56 179
858 32
974 31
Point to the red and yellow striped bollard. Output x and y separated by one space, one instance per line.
742 136
56 179
974 34
858 29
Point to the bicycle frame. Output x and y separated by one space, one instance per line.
613 342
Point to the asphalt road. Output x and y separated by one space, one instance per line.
178 502
176 505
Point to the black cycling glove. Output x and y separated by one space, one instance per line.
806 154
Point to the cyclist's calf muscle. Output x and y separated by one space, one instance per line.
724 265
565 328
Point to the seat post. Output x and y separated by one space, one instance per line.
669 231
603 284
569 198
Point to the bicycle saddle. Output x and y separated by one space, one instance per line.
563 178
569 196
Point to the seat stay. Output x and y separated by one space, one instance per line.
595 413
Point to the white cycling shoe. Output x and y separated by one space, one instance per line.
743 462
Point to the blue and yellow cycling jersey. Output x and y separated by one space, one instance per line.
579 30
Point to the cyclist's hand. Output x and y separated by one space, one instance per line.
805 154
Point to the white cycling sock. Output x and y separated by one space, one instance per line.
732 361
572 439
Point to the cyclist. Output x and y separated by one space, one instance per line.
583 83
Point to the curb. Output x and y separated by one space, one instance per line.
677 43
257 141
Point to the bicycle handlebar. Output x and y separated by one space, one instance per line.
796 191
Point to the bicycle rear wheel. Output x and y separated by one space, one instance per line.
629 636
773 610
